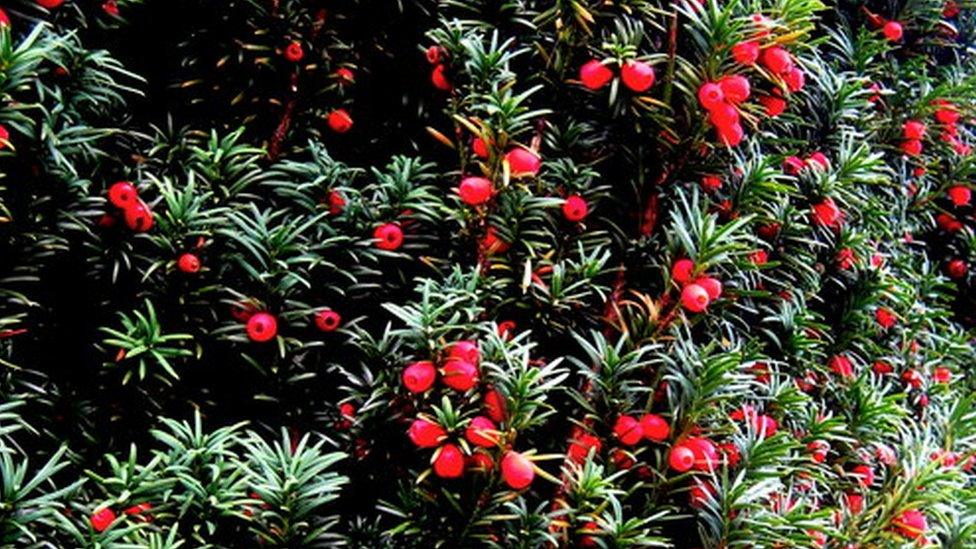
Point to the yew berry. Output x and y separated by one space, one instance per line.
594 74
960 195
460 375
293 52
731 135
681 458
957 268
628 430
735 88
388 236
682 271
494 404
262 327
774 105
826 213
327 320
481 431
712 287
479 147
893 31
704 451
794 79
575 208
655 427
911 147
139 217
123 194
465 350
710 95
517 470
339 121
885 317
419 376
911 524
694 298
777 60
523 162
439 79
913 129
746 53
426 434
637 75
102 519
475 191
188 263
449 462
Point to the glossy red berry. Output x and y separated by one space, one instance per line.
694 298
637 75
482 431
449 462
960 195
188 263
494 404
419 376
138 217
711 183
575 208
885 317
479 147
434 54
336 202
712 287
746 53
723 116
50 4
681 458
4 18
731 135
594 75
339 121
893 31
913 129
344 76
911 147
517 470
794 79
426 434
262 327
523 162
735 88
628 430
655 427
293 52
388 236
911 524
4 137
777 60
710 95
123 194
460 375
773 105
102 519
826 213
439 79
957 268
328 320
465 350
841 365
683 271
475 191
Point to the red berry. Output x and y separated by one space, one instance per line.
774 106
793 165
581 446
481 431
711 183
479 147
712 287
388 236
339 121
123 194
735 88
637 75
439 79
466 350
886 319
682 271
137 509
426 434
841 365
50 4
911 524
957 268
103 518
854 503
523 161
494 404
818 450
434 54
893 31
681 458
188 263
960 195
345 76
4 19
336 202
826 213
575 208
694 298
710 95
475 191
262 327
460 375
628 430
139 217
947 116
419 376
449 462
594 75
818 159
864 474
942 375
911 147
881 367
704 451
731 135
723 116
777 60
517 470
294 52
746 53
794 79
655 427
327 320
4 137
913 129
479 461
